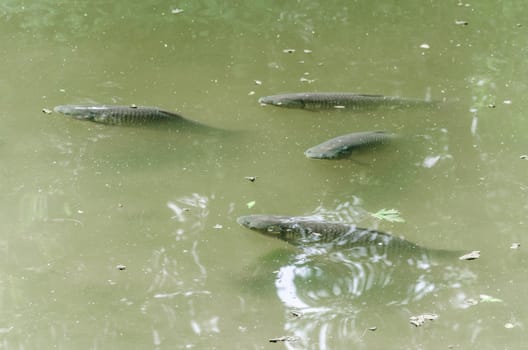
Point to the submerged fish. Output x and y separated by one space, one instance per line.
342 146
302 230
338 100
120 115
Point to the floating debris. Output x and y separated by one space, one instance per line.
306 80
461 23
297 314
483 298
217 226
133 105
372 329
391 215
250 204
419 320
288 50
251 93
471 256
250 178
516 245
283 339
307 51
489 299
46 110
176 11
507 102
509 325
471 301
258 82
425 46
121 267
491 105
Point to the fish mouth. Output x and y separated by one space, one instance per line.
263 101
310 153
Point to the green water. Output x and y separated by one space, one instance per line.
81 199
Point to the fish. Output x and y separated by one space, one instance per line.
342 146
339 100
121 115
303 230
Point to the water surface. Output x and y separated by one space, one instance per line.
80 200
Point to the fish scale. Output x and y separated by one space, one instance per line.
135 116
119 115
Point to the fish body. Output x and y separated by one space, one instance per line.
119 115
338 100
342 146
304 230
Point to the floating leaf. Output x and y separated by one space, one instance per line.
391 215
250 204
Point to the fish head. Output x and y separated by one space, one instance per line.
79 112
288 101
274 226
326 152
266 223
316 153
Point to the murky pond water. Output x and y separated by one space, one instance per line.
126 237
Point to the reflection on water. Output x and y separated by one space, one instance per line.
193 209
329 286
331 289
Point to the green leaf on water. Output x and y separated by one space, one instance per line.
391 215
250 204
